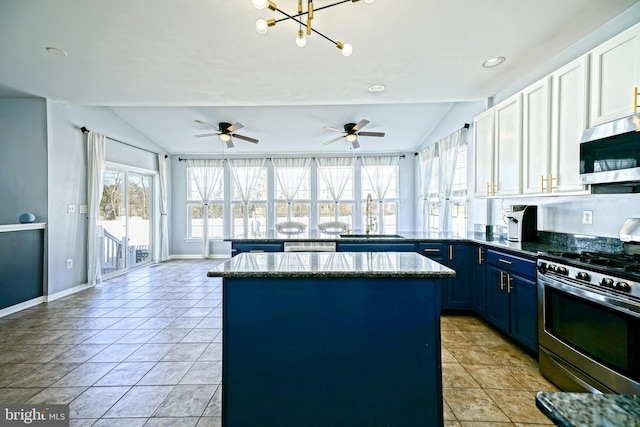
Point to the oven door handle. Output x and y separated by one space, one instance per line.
571 373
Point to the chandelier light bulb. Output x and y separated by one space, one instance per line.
301 40
347 49
366 1
261 26
259 4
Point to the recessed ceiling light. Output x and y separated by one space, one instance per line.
376 88
493 62
57 51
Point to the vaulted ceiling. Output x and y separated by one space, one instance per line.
162 64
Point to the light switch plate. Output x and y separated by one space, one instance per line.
71 208
587 217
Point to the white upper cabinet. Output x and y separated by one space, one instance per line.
483 154
508 147
536 137
569 119
615 75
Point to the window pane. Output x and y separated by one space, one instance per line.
434 216
303 193
259 190
299 212
460 174
344 212
459 214
434 185
215 220
257 219
323 189
192 189
391 177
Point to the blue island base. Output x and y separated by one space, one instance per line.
331 352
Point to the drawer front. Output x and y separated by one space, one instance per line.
510 263
375 247
434 251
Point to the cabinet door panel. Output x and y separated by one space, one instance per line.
479 281
497 299
508 145
456 294
536 131
524 311
483 132
615 68
569 120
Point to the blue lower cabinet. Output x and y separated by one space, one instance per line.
239 247
326 351
512 300
375 247
21 266
457 292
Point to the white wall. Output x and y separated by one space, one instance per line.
67 181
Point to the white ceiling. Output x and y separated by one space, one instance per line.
161 64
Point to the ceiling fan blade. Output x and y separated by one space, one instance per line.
246 138
355 144
234 127
229 143
370 133
206 124
332 128
202 135
333 140
362 123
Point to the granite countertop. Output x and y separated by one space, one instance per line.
590 410
331 264
548 241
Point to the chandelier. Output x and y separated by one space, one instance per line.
263 25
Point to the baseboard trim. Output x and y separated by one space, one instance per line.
66 292
21 306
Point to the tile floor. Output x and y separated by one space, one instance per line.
144 349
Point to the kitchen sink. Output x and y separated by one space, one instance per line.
371 236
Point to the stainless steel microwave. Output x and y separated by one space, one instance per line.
610 153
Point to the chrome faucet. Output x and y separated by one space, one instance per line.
369 214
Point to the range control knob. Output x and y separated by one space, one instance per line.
622 286
605 281
583 275
562 270
552 267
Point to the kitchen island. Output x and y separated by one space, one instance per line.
340 339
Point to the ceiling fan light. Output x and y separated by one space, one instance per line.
301 40
225 137
351 137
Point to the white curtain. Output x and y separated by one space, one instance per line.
448 152
95 184
206 175
246 173
164 227
380 175
336 172
291 174
426 159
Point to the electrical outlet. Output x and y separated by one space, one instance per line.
69 263
71 208
587 217
84 209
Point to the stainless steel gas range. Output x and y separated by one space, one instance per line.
589 321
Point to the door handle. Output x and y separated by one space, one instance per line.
505 261
480 256
451 252
501 281
509 278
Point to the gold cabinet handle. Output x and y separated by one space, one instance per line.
550 182
505 261
488 189
494 188
509 283
542 180
501 281
480 256
256 250
635 100
451 252
431 250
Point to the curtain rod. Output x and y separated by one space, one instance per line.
85 130
402 156
466 126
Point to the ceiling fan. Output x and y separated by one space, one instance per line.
352 131
225 132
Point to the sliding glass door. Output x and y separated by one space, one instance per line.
125 220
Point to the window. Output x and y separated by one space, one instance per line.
249 200
434 196
335 189
380 180
459 193
293 189
215 206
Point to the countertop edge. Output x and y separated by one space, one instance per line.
22 227
332 274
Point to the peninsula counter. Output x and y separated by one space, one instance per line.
331 338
